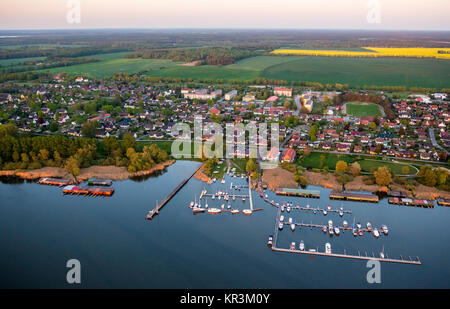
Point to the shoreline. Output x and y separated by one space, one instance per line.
95 171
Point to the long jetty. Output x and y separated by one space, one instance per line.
159 206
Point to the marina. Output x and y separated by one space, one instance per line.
443 202
382 257
357 197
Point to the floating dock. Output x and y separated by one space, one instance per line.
100 182
357 197
54 182
298 192
90 191
396 194
411 202
316 251
443 202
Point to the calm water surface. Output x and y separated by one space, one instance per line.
40 230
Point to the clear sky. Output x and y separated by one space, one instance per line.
298 14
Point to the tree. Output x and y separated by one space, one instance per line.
373 126
341 166
313 133
355 169
89 129
251 166
307 152
72 166
382 176
405 170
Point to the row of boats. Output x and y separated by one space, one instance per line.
197 208
335 230
288 206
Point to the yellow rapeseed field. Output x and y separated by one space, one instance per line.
373 52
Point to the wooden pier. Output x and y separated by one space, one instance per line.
54 182
357 197
159 206
411 202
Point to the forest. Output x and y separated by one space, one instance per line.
34 152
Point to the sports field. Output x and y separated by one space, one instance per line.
361 109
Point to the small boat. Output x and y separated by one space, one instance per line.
223 206
280 226
206 203
345 224
375 233
288 209
382 253
360 232
355 232
336 231
266 196
191 205
292 227
197 210
223 181
330 224
314 211
261 195
213 197
219 197
270 241
369 226
235 211
328 248
324 212
302 246
329 207
282 208
292 245
358 225
290 220
229 206
330 231
307 206
243 199
312 250
234 197
214 211
324 228
281 218
341 213
247 212
384 229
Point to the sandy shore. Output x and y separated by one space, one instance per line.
200 175
107 172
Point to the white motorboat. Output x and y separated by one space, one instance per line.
197 210
330 231
292 246
223 206
235 211
369 226
337 231
213 197
328 248
384 229
375 233
292 227
191 204
270 241
282 208
214 211
290 220
345 224
223 181
281 218
302 246
330 224
324 212
280 226
247 212
341 213
288 209
382 253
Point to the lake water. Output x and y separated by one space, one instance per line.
40 230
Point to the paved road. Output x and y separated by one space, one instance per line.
433 139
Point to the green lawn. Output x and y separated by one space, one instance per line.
367 164
361 109
11 62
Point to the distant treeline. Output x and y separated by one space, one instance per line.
207 55
54 51
50 62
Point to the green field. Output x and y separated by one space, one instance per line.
11 62
361 109
433 73
367 164
364 71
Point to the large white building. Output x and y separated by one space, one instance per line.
201 94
